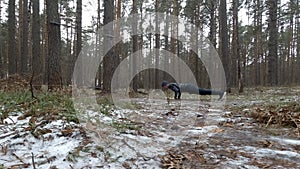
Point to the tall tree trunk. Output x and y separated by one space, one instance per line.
12 59
272 44
258 43
166 41
0 10
197 23
108 65
174 36
78 44
157 44
297 60
293 40
36 55
236 67
98 79
2 72
78 27
224 41
290 71
118 41
141 43
24 38
234 45
212 23
212 6
54 48
117 29
135 46
19 35
69 64
45 46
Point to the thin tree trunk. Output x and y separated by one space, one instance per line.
272 44
12 59
118 41
134 46
166 47
36 55
0 10
174 36
157 45
2 72
297 60
258 43
98 79
212 6
78 45
24 38
197 23
212 24
234 46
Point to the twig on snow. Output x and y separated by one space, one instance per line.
33 163
14 154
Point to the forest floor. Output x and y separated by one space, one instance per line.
257 129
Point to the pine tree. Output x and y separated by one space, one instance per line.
54 45
272 43
36 54
108 60
12 58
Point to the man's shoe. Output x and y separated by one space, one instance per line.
222 96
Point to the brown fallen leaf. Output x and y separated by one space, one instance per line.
67 132
217 130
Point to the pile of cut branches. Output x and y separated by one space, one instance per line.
280 115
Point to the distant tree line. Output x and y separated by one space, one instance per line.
261 48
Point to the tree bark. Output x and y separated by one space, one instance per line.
1 48
272 44
108 65
78 45
98 79
236 67
157 45
24 38
12 59
36 55
212 23
54 45
297 61
135 47
224 41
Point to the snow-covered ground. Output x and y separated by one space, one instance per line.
140 138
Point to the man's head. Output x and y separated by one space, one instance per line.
164 85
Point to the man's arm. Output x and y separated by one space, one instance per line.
174 87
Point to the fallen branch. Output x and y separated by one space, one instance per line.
20 166
14 154
33 163
297 125
7 135
270 120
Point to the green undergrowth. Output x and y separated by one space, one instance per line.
47 106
